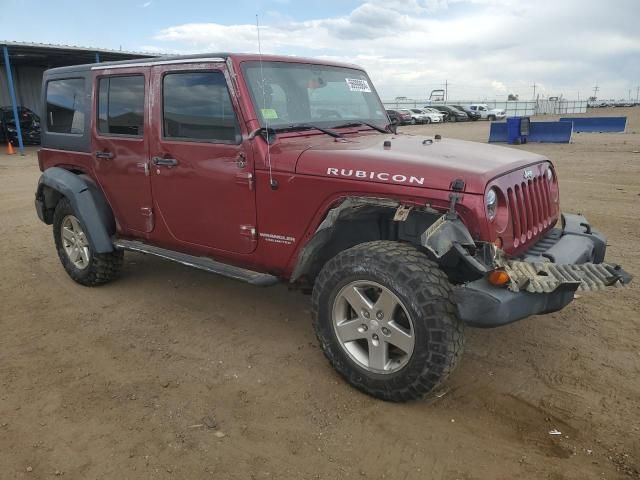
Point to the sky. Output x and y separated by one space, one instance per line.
484 49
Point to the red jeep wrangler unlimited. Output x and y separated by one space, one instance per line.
268 169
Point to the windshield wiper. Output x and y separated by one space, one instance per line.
306 126
370 125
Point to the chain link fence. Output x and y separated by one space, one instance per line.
512 108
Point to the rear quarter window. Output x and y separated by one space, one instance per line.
65 106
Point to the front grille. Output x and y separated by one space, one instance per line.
530 209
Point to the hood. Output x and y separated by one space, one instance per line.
409 161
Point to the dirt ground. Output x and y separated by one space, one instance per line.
175 373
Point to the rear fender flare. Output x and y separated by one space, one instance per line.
87 200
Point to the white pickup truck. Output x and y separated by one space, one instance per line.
488 113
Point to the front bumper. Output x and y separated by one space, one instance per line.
481 304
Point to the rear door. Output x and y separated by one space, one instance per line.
119 145
201 167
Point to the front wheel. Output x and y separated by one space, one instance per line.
491 118
385 319
75 252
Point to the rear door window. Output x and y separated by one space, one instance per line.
196 106
65 100
121 105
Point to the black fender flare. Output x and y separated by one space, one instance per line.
87 200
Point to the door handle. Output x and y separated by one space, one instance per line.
104 155
167 162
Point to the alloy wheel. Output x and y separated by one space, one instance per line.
74 242
373 327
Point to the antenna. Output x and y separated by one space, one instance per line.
272 182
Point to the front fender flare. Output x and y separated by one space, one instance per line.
324 231
86 199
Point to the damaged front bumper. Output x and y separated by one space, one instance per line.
544 279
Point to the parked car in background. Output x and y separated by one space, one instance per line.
488 113
417 116
453 114
394 117
29 126
435 113
431 116
400 117
406 116
470 113
420 116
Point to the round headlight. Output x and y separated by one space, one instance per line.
549 175
491 203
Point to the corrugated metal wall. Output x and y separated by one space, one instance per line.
27 82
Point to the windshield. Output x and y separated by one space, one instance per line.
299 93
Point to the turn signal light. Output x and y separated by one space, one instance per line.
498 278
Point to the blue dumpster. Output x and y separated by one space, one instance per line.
517 130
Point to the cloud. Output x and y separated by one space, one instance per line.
147 3
499 86
481 47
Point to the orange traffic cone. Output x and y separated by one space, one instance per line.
10 150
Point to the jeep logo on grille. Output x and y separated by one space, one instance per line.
528 174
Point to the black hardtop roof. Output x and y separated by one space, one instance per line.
171 58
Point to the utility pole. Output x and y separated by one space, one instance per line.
446 91
637 93
595 91
534 90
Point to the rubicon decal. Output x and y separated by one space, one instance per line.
384 176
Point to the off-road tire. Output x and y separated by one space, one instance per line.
102 267
425 292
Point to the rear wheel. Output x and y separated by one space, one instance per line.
385 319
78 258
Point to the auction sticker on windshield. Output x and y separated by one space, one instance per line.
358 85
269 113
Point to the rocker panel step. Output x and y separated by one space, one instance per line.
202 263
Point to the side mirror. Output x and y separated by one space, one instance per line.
393 126
268 134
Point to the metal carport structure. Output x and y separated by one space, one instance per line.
22 66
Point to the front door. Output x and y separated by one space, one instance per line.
120 139
201 170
